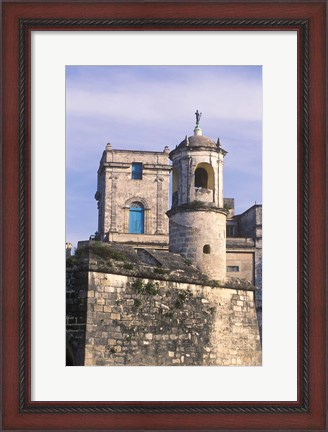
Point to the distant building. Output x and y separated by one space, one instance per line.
244 241
244 248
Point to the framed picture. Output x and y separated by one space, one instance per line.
47 47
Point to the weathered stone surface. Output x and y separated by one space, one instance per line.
168 323
197 219
192 230
117 190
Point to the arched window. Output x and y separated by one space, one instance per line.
207 249
136 218
201 178
204 176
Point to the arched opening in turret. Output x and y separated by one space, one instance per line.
204 176
201 178
175 183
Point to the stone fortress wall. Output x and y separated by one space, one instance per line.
116 319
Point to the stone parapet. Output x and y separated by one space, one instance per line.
240 243
150 322
151 307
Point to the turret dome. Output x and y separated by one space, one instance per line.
198 141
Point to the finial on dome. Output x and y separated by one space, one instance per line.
218 143
197 130
108 146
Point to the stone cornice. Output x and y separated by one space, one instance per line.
196 206
197 149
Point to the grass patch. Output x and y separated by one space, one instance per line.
137 303
181 299
149 288
137 285
160 271
178 304
102 251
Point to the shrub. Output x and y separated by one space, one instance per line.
150 288
181 299
70 262
103 251
82 252
159 270
178 304
137 285
182 296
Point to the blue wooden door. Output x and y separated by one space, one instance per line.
136 218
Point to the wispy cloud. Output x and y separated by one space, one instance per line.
145 107
146 100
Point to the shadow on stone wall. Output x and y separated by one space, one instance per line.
76 315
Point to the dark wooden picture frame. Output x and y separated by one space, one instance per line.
308 18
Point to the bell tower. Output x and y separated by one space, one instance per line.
197 219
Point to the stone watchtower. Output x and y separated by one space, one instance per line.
197 219
132 195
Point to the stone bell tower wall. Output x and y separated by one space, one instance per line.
185 163
199 235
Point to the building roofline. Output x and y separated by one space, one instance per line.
196 149
138 151
250 208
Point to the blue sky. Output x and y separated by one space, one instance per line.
150 107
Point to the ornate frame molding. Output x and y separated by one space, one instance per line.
160 24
